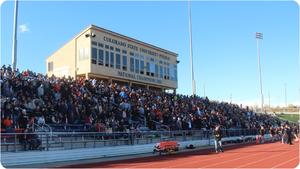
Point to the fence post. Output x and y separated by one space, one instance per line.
47 142
15 142
72 143
94 140
160 136
208 131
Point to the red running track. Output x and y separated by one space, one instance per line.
271 155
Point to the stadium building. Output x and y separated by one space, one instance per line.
105 55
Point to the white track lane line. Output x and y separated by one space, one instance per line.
276 166
271 156
210 159
243 157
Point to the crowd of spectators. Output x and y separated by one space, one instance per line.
28 97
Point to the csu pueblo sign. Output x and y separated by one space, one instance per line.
138 77
133 47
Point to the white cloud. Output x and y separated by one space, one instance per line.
24 28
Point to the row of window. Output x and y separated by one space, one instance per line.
113 60
125 52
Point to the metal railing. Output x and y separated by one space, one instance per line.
71 140
162 125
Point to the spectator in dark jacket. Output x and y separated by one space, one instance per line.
218 139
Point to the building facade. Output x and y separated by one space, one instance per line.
105 55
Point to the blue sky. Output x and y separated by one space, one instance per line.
225 55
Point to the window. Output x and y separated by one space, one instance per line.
173 72
112 59
156 70
165 73
84 54
152 68
94 56
142 67
137 66
131 64
101 57
94 43
124 62
118 61
50 66
168 73
148 68
161 74
111 48
124 51
106 58
106 46
118 50
131 54
100 45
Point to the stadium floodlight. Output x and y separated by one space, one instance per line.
258 37
191 50
14 44
90 35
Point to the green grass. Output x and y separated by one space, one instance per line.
289 117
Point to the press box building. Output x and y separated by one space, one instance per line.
105 55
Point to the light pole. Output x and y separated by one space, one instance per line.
14 44
191 50
258 37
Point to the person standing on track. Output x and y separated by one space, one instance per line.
289 134
218 139
272 134
296 131
262 134
283 134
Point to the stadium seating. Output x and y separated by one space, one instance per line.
69 105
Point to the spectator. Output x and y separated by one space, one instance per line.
56 100
7 123
218 139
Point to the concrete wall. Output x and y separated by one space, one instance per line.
63 61
14 159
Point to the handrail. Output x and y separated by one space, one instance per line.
156 122
66 139
50 129
143 132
